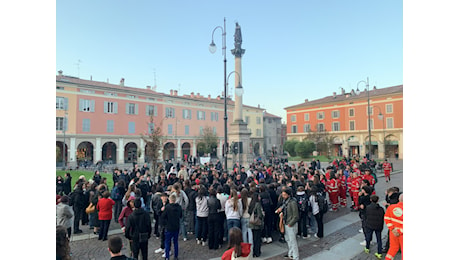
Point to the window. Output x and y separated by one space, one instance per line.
131 127
351 112
306 128
371 123
110 94
335 126
170 129
320 128
110 107
186 114
187 130
170 112
214 116
87 91
294 129
110 125
86 125
85 105
389 123
200 115
61 124
132 109
370 111
320 115
258 120
306 116
131 96
389 108
258 132
247 119
151 127
214 130
61 103
201 130
352 125
151 110
293 118
335 114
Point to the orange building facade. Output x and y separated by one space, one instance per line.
345 117
100 121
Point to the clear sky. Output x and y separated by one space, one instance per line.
295 50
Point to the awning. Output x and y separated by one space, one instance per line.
391 142
372 143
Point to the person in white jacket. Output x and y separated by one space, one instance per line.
202 213
64 214
233 210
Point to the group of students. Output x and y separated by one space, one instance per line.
208 202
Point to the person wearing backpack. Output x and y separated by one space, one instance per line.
117 195
182 200
315 196
302 201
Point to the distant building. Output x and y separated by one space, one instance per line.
104 121
344 116
273 144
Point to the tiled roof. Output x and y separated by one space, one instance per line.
338 98
266 114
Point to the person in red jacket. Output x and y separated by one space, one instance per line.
342 183
333 189
237 248
394 220
104 206
355 187
367 176
386 170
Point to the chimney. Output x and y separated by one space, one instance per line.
343 91
60 72
175 92
171 92
192 94
122 82
91 77
218 97
306 100
149 87
209 97
353 92
198 95
375 88
334 94
258 105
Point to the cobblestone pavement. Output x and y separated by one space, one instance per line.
87 246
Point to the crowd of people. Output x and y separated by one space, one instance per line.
241 209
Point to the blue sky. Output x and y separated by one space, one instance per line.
295 50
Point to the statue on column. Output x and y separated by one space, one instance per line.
238 51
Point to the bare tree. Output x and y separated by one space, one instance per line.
208 141
153 140
323 140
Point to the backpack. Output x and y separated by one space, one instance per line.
116 194
302 201
322 203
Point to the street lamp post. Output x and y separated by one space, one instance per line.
382 117
212 49
368 112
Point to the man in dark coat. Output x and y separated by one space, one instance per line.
139 229
67 183
77 201
374 223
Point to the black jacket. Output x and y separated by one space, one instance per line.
374 216
213 205
171 216
138 222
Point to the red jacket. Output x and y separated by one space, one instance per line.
245 251
370 178
104 206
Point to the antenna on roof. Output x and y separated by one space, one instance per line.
154 79
78 67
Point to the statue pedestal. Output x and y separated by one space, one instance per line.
239 136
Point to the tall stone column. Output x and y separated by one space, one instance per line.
97 152
121 151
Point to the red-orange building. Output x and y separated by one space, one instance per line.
344 116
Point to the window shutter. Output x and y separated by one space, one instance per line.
66 103
136 109
65 124
127 108
92 106
115 107
80 104
155 112
106 107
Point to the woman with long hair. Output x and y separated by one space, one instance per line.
256 227
202 212
245 200
237 249
62 244
233 210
